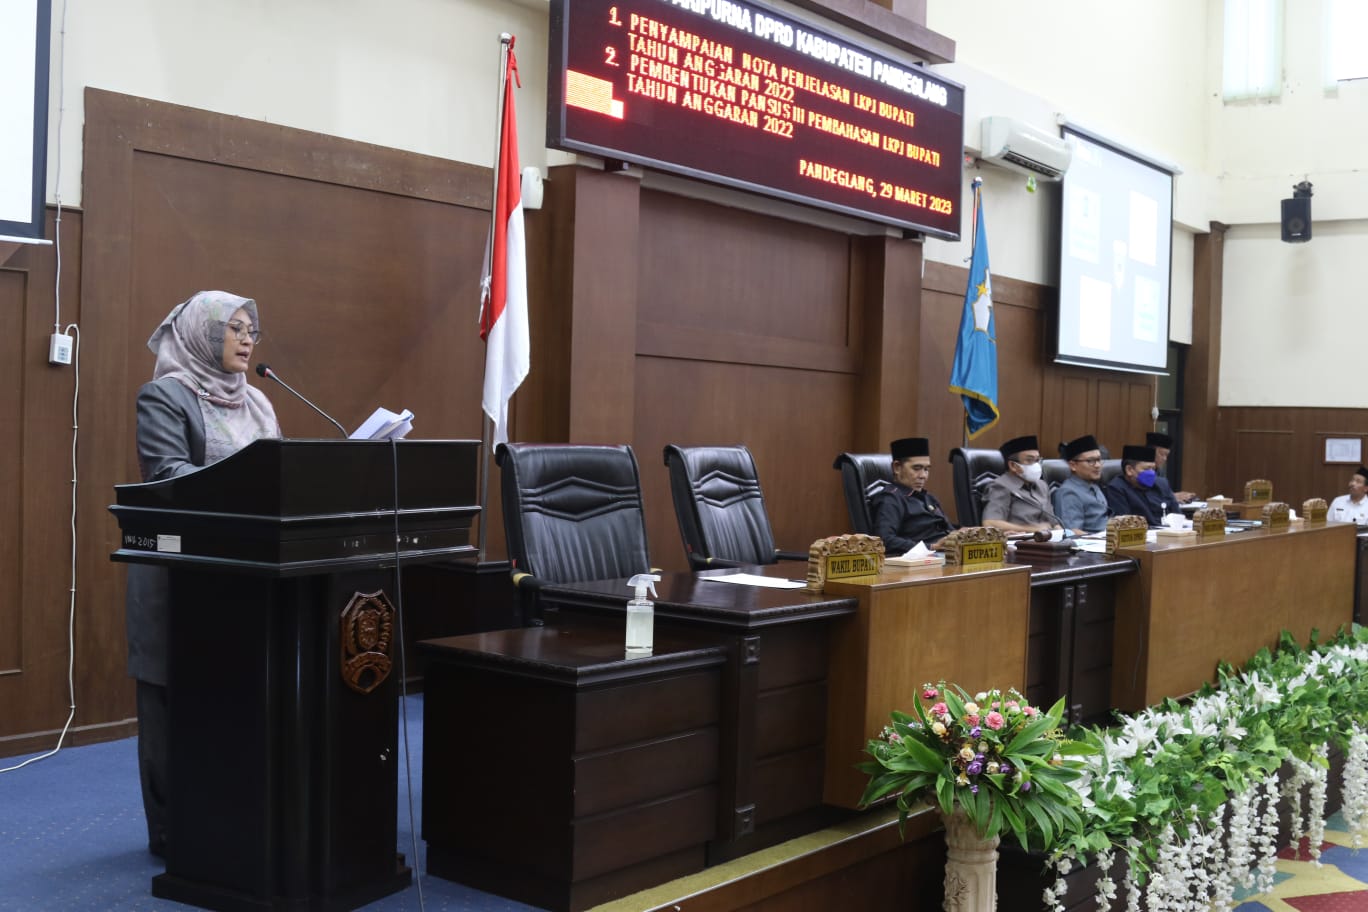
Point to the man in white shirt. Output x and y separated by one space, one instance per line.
1352 507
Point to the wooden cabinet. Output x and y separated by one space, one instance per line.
561 774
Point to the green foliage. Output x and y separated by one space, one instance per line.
1179 762
999 759
1174 764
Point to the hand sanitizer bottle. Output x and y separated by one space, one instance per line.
641 615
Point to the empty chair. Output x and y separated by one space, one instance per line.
571 513
863 475
971 472
720 508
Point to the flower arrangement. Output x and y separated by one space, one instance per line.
1189 793
1000 761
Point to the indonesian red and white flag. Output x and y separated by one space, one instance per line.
503 305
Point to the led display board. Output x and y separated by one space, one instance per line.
741 94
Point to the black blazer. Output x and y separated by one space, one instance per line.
170 442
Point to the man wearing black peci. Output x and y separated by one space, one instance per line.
1017 500
1079 502
1162 444
906 513
1132 492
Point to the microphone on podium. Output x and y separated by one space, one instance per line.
264 370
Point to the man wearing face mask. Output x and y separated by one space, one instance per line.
1132 492
1018 501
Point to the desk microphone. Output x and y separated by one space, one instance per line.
1024 499
264 370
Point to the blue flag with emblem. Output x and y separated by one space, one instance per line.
974 374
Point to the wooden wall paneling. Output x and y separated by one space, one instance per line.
23 323
1263 453
1289 444
541 407
1111 421
1075 416
940 415
365 261
746 335
1140 393
887 291
1021 379
603 330
35 514
768 410
1055 402
1202 376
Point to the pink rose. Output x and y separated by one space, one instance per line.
1030 711
939 709
994 720
930 693
972 719
1014 705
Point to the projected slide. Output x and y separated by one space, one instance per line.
1115 249
24 28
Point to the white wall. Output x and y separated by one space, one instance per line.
1041 66
1152 78
418 75
1292 325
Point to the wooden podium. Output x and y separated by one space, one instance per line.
283 661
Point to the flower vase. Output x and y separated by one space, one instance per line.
970 866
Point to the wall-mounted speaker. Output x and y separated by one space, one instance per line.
1296 219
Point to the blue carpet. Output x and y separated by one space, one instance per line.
72 836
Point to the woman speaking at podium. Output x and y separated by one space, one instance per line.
197 409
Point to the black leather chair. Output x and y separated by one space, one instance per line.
1110 469
971 472
571 513
1054 472
721 511
863 475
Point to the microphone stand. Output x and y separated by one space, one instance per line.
264 370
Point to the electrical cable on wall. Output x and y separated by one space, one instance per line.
71 332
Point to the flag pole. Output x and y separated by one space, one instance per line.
486 424
973 239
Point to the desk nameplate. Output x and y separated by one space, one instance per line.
979 554
847 566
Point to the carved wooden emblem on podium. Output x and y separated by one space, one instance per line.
366 635
1314 509
974 546
1129 531
842 557
1258 491
1276 515
1209 522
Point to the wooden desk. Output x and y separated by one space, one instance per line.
1073 605
968 627
1361 578
774 687
559 773
1192 605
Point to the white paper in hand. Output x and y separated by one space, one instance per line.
384 425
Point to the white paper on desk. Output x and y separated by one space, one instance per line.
916 552
1088 543
752 579
384 425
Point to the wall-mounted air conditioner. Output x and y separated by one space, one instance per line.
1022 147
